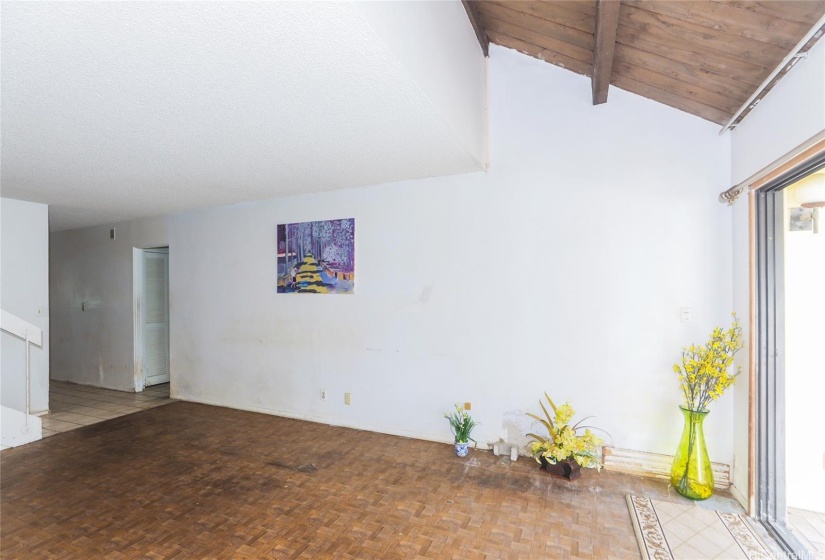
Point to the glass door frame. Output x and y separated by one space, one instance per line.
769 299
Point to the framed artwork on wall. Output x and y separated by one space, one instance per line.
317 257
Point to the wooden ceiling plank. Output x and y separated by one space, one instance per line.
684 89
470 6
540 53
800 11
607 24
558 14
671 99
727 19
503 12
683 72
543 41
694 54
586 7
668 28
789 61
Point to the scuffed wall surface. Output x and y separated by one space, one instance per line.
562 269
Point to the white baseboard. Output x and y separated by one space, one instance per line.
740 497
654 464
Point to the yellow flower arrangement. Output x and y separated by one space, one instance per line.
703 373
564 441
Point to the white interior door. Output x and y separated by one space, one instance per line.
156 316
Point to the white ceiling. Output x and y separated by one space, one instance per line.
117 110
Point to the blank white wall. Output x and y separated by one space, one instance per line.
24 286
562 269
95 346
789 115
419 34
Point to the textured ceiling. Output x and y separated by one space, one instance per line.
117 110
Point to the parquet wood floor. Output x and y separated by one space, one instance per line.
193 481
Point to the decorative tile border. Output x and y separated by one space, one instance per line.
653 543
649 533
744 536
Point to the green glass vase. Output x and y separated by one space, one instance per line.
691 473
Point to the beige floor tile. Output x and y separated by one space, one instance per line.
99 413
66 399
75 418
149 404
59 425
127 401
75 405
112 407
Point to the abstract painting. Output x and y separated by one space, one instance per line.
317 257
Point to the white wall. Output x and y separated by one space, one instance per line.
789 115
561 269
24 287
419 34
95 347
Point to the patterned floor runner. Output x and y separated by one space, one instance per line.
669 531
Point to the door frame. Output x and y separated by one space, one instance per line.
137 313
768 337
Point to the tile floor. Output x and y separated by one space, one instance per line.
693 532
809 527
73 406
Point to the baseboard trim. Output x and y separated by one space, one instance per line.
740 497
318 420
654 465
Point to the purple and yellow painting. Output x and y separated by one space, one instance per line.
317 257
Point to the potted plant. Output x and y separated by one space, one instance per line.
565 450
461 424
703 377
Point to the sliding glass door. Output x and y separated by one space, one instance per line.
790 368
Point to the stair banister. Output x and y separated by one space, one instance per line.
31 335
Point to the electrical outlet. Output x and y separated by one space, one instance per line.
686 314
323 395
347 399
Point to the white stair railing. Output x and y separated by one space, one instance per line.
31 335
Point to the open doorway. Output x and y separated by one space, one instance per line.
151 326
790 313
804 263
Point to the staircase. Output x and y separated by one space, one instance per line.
19 426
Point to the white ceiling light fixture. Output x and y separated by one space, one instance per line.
809 191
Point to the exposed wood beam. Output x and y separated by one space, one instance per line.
607 24
478 27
